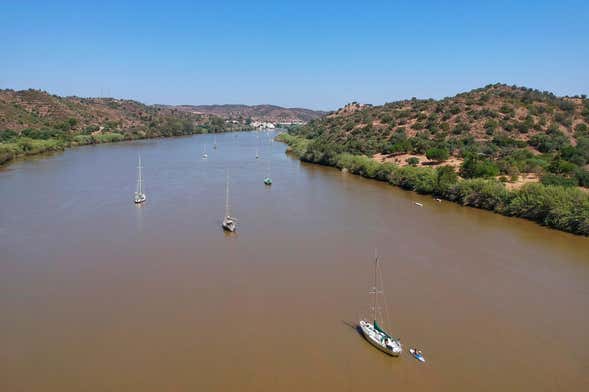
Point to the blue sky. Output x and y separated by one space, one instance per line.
316 54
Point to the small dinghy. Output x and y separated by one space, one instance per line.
419 204
417 354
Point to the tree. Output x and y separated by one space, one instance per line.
445 178
477 166
437 154
413 161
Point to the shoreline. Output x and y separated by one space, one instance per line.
52 146
559 208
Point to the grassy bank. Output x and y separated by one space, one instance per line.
562 208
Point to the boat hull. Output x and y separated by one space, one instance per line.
368 335
229 225
228 228
139 199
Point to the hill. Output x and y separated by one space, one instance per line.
38 110
513 150
33 121
264 113
512 131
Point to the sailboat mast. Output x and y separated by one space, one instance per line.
227 195
139 178
375 286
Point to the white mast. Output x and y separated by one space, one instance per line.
375 285
227 194
139 177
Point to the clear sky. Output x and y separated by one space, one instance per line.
316 54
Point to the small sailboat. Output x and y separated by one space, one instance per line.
204 152
215 142
257 154
268 179
229 223
372 331
139 196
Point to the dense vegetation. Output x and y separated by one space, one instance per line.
497 131
531 132
32 122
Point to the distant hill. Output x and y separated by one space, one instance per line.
37 110
266 113
33 122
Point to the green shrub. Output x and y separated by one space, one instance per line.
413 161
108 137
554 179
480 193
83 140
437 154
476 166
559 207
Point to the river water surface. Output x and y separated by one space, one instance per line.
97 294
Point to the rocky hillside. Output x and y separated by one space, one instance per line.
265 113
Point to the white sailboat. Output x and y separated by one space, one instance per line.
372 331
139 196
229 223
204 152
268 178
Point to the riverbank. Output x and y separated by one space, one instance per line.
561 208
21 146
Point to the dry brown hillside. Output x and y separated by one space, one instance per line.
38 110
499 130
496 111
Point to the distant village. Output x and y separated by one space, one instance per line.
266 124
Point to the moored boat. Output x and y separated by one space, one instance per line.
229 223
139 196
370 328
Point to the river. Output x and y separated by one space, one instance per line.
97 294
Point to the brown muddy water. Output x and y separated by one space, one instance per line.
97 294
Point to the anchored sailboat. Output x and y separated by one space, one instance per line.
268 179
215 142
372 331
139 196
229 223
204 152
